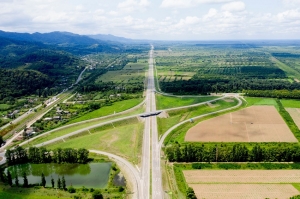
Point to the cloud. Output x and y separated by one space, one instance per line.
132 5
291 3
211 13
188 3
235 6
176 4
289 16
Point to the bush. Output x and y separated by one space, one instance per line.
97 195
71 189
121 189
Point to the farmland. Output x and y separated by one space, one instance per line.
253 124
295 114
243 183
225 68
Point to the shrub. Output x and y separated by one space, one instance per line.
71 189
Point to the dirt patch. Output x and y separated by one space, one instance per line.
252 124
163 114
296 80
245 191
295 114
228 100
212 105
1 158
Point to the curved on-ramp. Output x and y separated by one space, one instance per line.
128 169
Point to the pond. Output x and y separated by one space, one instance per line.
92 175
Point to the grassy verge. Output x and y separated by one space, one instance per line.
164 102
116 107
116 138
289 120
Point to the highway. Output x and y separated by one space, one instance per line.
150 176
157 192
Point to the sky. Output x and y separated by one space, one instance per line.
157 19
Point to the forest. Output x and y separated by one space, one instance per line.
15 83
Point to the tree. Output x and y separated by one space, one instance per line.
52 182
97 195
63 182
16 180
2 175
25 180
83 155
43 180
9 179
1 139
58 183
190 194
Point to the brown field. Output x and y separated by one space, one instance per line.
295 114
242 176
217 184
252 124
245 191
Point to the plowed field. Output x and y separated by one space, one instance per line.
295 114
248 184
252 124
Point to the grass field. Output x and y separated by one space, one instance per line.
261 101
116 138
108 110
70 129
177 116
290 103
136 66
164 102
4 106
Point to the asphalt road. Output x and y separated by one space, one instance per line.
157 192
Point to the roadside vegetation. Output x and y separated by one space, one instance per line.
165 102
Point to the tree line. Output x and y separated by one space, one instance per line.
294 94
20 155
217 84
233 153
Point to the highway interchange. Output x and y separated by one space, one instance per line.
149 175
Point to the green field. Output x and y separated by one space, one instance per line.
79 126
261 101
116 138
177 116
116 107
4 106
136 66
290 103
164 102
